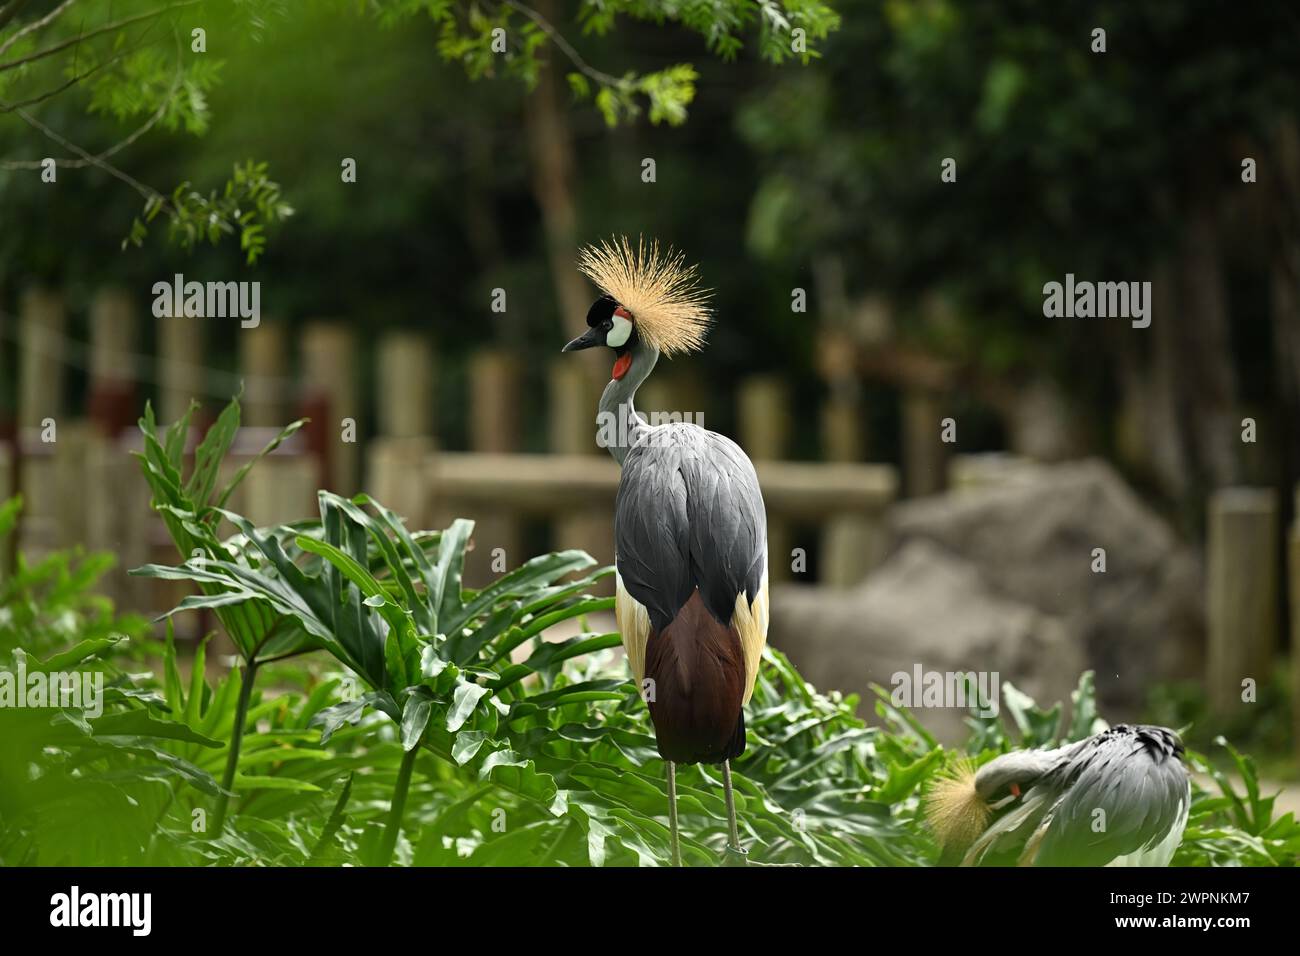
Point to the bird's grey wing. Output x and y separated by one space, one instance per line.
728 523
652 531
1136 779
690 514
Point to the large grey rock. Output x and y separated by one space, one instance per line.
1001 579
1139 622
925 607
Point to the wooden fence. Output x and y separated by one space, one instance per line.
82 485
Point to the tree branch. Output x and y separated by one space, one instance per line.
564 46
106 28
148 192
10 11
73 81
116 147
35 24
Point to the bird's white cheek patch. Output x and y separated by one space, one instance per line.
619 334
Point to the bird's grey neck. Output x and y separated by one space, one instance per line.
618 425
1023 767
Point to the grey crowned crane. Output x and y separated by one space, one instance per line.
690 530
1119 798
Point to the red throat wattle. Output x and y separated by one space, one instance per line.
622 364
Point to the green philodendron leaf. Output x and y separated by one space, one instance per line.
551 653
1037 727
431 662
465 646
83 651
903 780
415 717
9 511
526 580
520 775
281 756
337 818
1084 720
245 783
211 452
467 745
464 699
139 723
331 719
521 843
198 778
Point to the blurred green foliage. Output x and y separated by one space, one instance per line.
50 604
1264 727
1067 160
150 64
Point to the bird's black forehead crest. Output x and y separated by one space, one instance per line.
600 311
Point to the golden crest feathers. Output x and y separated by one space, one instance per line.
956 813
658 288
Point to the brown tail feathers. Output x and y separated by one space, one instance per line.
698 668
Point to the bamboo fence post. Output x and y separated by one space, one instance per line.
852 542
282 488
180 365
1241 592
573 393
405 385
329 377
396 459
72 484
41 371
113 340
765 422
264 366
43 323
93 489
6 492
494 401
923 449
494 428
117 515
1293 564
841 425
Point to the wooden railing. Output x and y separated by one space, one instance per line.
843 503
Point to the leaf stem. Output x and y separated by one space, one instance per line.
400 790
236 739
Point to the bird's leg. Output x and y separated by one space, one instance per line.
674 843
735 852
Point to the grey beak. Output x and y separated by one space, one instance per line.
585 341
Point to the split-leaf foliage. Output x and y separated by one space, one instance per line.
381 712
